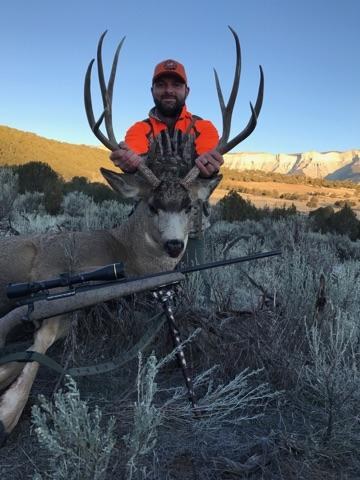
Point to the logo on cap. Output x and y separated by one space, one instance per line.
170 65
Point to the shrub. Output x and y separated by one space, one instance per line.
331 381
53 197
283 212
342 203
96 190
290 196
141 441
30 202
320 217
37 177
8 191
234 207
78 445
40 177
345 222
82 213
75 203
312 203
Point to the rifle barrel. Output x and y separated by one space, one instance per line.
230 261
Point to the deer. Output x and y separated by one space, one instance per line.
152 239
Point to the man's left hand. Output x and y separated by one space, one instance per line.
209 163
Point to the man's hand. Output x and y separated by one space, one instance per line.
125 158
209 163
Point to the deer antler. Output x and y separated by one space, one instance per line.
107 95
224 145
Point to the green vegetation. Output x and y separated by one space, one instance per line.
36 177
40 177
8 191
343 222
233 207
96 190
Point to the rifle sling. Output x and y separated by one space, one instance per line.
153 327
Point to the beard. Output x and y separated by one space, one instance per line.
167 110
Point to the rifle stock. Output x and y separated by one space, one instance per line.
39 307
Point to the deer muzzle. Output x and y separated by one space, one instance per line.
174 247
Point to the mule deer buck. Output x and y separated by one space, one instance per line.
153 238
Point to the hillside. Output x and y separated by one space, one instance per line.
18 147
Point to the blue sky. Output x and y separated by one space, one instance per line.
309 51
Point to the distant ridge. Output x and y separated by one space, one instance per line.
329 165
69 160
18 147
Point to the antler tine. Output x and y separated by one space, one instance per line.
227 110
90 112
148 175
160 146
190 177
107 92
192 174
175 142
168 146
224 146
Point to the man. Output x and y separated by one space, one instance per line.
170 90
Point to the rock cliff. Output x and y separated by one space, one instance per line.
330 165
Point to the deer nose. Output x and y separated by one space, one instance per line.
174 247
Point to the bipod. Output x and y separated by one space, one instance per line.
166 296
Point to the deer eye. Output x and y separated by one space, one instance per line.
188 209
152 209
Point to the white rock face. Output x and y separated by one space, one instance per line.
312 164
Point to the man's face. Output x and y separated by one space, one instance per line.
169 94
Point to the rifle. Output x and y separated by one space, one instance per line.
36 302
109 273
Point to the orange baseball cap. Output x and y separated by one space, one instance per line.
170 67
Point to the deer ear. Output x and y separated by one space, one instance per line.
129 185
202 188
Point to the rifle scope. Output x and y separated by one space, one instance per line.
115 271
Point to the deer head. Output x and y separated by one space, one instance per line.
165 209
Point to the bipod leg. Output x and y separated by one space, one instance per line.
165 297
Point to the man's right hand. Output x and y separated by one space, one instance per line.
125 158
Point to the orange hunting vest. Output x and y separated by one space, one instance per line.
139 135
